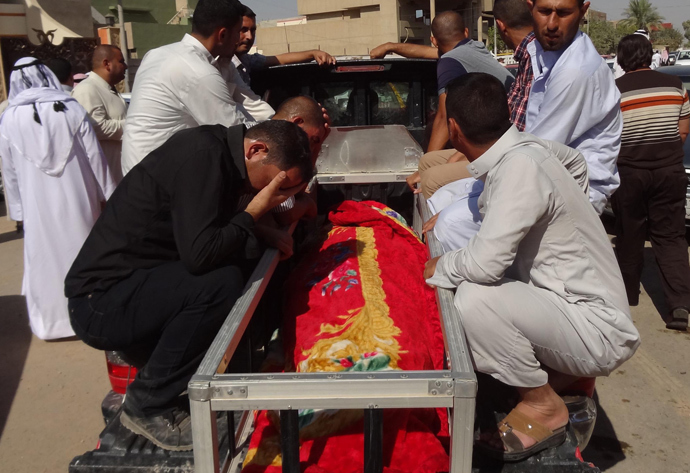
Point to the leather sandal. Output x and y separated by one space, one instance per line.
514 450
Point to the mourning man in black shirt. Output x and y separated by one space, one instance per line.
159 272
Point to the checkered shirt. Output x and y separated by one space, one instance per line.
519 92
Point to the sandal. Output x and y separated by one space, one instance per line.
514 450
679 320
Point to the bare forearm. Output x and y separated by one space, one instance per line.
412 50
684 127
439 133
291 58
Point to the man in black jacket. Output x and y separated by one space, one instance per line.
160 270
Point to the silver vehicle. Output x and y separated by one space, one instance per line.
683 58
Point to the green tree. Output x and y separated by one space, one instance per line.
686 27
500 45
670 37
603 35
642 14
623 30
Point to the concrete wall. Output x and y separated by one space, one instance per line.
69 19
140 11
354 27
347 27
309 7
74 15
12 20
147 22
149 36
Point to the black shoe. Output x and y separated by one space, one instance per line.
679 319
170 431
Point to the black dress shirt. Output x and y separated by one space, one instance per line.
179 203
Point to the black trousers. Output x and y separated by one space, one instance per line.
163 320
651 202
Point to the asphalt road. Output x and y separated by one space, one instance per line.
50 392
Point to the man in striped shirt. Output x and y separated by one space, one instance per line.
651 197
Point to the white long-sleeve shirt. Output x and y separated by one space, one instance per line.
181 86
574 100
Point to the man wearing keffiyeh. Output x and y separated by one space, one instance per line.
56 180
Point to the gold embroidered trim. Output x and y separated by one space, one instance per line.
365 330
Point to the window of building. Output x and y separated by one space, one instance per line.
353 14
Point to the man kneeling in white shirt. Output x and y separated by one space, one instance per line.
539 292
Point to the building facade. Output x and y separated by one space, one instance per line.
44 29
355 27
148 23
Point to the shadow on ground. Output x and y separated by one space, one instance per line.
604 449
15 338
10 236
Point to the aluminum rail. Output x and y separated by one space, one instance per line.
459 358
454 334
211 390
224 345
218 356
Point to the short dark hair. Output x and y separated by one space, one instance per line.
288 146
634 52
448 26
61 67
479 104
302 106
210 15
248 12
514 13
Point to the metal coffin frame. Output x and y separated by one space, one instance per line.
211 391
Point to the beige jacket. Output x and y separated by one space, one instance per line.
107 110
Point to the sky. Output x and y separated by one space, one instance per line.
675 11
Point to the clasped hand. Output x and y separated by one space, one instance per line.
271 196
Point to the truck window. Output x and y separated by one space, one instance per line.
389 103
338 99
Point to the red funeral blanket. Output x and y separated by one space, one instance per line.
359 302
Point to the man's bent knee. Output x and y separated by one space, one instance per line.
222 283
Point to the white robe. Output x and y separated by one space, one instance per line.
58 213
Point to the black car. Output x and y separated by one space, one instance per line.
684 73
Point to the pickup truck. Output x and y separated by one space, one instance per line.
381 112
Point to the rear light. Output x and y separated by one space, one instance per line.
360 68
119 372
582 386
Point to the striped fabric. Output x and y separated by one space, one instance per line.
652 104
284 207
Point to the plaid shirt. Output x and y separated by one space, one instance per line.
519 92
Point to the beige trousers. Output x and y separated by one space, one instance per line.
514 329
436 172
